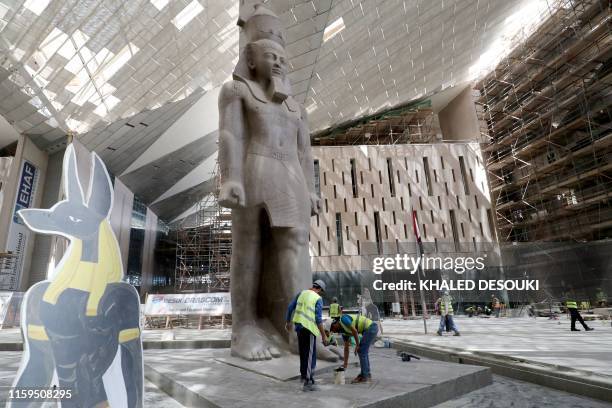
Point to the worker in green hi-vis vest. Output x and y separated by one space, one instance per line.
335 310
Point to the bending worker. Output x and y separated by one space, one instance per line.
305 312
355 325
335 311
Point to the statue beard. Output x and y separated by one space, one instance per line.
279 90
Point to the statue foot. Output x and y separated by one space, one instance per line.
326 353
251 343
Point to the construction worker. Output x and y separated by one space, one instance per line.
446 313
352 326
335 311
572 307
495 305
305 313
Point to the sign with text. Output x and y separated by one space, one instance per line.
203 304
18 233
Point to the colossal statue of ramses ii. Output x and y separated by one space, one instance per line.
267 179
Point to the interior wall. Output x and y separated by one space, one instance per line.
121 217
458 120
148 263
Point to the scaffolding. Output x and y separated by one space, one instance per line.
414 123
8 263
204 248
546 111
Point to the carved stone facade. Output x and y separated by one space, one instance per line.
365 188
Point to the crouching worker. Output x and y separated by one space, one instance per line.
353 326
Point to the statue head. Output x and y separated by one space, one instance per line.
263 59
266 59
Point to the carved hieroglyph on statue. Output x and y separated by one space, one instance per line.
267 179
81 327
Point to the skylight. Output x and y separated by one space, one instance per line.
36 6
119 61
187 14
333 29
159 4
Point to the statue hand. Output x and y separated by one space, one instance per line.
232 195
315 204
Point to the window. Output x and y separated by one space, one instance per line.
317 220
421 203
427 176
333 166
409 190
372 189
343 182
444 230
364 204
391 179
324 178
328 235
317 178
347 233
377 232
354 178
335 192
446 187
369 164
319 247
405 231
356 222
435 175
439 202
424 231
470 215
431 216
326 206
466 187
358 248
453 222
481 230
367 233
476 200
345 208
462 230
416 173
339 233
442 162
402 203
394 219
383 203
491 223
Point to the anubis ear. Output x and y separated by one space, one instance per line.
72 185
100 188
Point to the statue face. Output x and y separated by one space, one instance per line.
268 60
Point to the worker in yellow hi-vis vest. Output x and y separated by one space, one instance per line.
306 313
572 308
335 310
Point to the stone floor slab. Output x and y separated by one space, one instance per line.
201 379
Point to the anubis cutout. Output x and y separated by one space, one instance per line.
84 319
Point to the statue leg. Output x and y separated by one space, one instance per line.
294 274
249 338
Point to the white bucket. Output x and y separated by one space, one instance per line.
339 377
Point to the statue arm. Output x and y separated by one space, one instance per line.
231 133
305 152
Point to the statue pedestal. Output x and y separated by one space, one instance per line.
214 378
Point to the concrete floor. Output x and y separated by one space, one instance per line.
539 340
